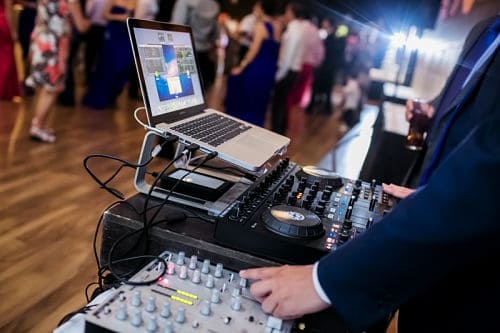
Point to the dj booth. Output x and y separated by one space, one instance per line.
193 236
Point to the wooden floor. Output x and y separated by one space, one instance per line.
49 206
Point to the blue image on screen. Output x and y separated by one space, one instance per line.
172 65
164 91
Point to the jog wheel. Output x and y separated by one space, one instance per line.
324 176
294 222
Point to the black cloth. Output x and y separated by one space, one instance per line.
279 117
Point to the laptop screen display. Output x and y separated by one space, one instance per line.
168 65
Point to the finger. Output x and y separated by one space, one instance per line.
258 273
261 289
269 304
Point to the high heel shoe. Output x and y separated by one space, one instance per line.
42 135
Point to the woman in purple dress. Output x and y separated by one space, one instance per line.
250 84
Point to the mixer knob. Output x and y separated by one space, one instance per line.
309 197
372 204
243 283
215 298
329 188
236 292
196 276
347 225
319 209
292 201
192 262
343 236
169 327
170 268
210 281
152 325
306 204
122 312
165 310
326 194
137 318
205 269
180 317
274 323
358 183
315 187
236 303
205 308
322 203
151 306
183 272
369 223
136 298
348 213
180 258
218 270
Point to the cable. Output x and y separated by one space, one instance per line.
146 126
104 184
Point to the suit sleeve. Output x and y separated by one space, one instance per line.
445 225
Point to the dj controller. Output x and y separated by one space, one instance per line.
298 214
186 295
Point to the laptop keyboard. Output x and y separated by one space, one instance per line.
213 129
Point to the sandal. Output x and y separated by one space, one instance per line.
42 135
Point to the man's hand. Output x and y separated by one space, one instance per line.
286 292
399 192
426 108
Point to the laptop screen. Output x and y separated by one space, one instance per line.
170 76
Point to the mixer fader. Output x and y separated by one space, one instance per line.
193 295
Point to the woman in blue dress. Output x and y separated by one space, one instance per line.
115 61
250 84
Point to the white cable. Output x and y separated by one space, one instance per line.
146 126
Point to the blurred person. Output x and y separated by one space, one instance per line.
245 31
250 84
49 53
9 82
352 97
165 8
94 10
325 74
115 60
201 15
25 25
289 63
67 96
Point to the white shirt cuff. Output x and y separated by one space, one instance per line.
317 285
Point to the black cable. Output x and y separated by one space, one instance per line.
125 163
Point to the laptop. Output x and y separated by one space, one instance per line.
173 96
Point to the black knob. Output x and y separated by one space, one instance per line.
319 209
326 194
369 223
347 225
343 236
348 213
309 197
292 201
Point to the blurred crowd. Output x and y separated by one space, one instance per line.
282 59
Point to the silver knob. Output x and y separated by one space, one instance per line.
205 269
210 281
180 258
236 303
218 270
215 296
205 308
165 310
180 317
136 298
137 318
196 276
243 283
169 327
151 306
183 272
192 262
170 268
236 292
122 312
152 325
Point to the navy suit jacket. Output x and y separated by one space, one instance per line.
485 85
436 255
